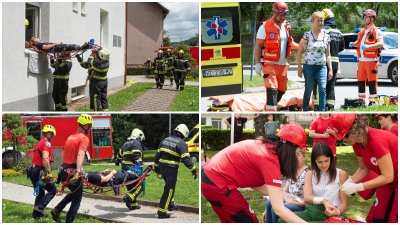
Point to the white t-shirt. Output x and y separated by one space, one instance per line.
379 35
326 190
261 35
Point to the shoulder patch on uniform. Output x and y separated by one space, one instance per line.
276 181
47 144
272 35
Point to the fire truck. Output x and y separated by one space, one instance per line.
100 136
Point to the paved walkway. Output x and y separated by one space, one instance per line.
110 211
156 100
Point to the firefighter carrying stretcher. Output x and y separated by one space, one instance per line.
130 156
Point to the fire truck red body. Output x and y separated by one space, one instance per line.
100 145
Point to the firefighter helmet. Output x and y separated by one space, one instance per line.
49 128
26 22
341 124
280 8
148 58
183 129
85 119
137 133
369 12
327 14
168 50
295 134
104 54
159 52
181 52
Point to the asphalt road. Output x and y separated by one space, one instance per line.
107 210
345 88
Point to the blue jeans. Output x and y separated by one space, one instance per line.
42 199
271 217
311 73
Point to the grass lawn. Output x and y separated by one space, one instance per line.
375 108
187 189
346 160
186 100
13 212
124 97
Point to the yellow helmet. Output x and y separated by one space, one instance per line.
26 22
327 13
49 128
148 58
137 133
85 119
159 52
104 54
181 52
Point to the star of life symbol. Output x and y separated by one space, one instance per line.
217 27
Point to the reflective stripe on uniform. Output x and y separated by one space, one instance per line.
334 59
185 155
64 77
131 152
169 151
169 162
165 209
100 77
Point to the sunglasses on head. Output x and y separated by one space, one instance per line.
281 11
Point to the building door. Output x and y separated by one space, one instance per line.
103 28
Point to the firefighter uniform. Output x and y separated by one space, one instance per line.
170 62
149 66
130 154
160 70
336 45
181 67
62 67
171 151
36 172
98 80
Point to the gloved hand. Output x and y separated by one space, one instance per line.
259 69
351 44
348 181
195 173
75 178
156 169
48 178
351 188
79 58
363 47
117 163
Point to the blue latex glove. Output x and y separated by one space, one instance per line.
363 47
351 44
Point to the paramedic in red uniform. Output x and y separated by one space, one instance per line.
388 122
377 151
321 131
368 45
74 154
41 168
255 164
273 36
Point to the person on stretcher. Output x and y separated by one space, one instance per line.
110 177
57 47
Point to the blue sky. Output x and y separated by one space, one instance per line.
182 21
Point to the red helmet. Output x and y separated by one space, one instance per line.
379 114
294 133
280 8
341 124
369 12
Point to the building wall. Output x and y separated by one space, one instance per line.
209 117
58 23
144 31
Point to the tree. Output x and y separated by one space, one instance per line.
166 39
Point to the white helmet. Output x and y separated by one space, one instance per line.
137 133
183 129
104 54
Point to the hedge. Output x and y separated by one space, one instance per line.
218 139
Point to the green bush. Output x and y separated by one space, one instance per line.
10 173
23 165
136 71
218 139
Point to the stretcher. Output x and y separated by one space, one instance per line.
105 189
292 100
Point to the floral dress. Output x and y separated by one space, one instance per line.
316 49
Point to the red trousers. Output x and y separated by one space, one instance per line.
384 209
230 206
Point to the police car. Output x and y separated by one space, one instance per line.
388 63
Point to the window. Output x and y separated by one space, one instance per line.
32 15
77 93
203 121
34 128
216 123
103 28
101 137
83 8
229 30
116 41
75 6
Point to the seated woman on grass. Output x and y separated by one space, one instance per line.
322 187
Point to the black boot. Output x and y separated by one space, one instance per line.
56 215
163 215
172 207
